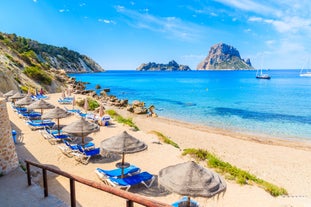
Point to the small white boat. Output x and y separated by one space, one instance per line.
305 72
260 75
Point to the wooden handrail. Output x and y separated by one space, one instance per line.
130 197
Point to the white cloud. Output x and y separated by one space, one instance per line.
255 19
63 10
82 4
170 26
292 24
248 5
106 21
35 1
270 42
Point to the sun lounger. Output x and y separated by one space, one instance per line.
19 109
104 174
68 149
65 101
72 111
84 156
129 181
29 115
40 124
40 96
56 138
183 202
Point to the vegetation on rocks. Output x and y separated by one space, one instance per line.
38 75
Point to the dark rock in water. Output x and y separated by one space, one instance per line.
171 66
223 56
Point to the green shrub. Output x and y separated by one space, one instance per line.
38 74
240 176
165 139
93 104
122 120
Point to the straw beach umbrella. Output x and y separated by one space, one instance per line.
81 128
56 113
10 93
123 143
24 101
41 104
16 96
191 179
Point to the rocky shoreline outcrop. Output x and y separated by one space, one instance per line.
136 107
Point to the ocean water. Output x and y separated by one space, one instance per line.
230 100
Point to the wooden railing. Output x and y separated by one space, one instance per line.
130 198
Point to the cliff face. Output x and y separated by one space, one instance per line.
223 56
26 63
171 66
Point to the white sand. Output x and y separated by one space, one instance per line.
284 163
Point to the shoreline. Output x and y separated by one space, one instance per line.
263 139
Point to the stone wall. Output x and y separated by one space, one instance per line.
8 156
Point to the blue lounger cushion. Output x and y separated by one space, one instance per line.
183 202
129 181
37 124
131 170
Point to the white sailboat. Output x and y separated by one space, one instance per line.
305 72
260 75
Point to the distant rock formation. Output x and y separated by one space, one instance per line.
222 56
171 66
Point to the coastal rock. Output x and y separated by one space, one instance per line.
223 56
27 64
140 110
171 66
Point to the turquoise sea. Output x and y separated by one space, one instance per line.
230 100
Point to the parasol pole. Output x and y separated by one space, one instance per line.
58 127
188 201
122 170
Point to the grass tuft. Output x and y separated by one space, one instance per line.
165 139
240 176
121 119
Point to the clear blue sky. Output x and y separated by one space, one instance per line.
122 34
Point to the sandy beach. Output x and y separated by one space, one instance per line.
284 163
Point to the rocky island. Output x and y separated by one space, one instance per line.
171 66
221 57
